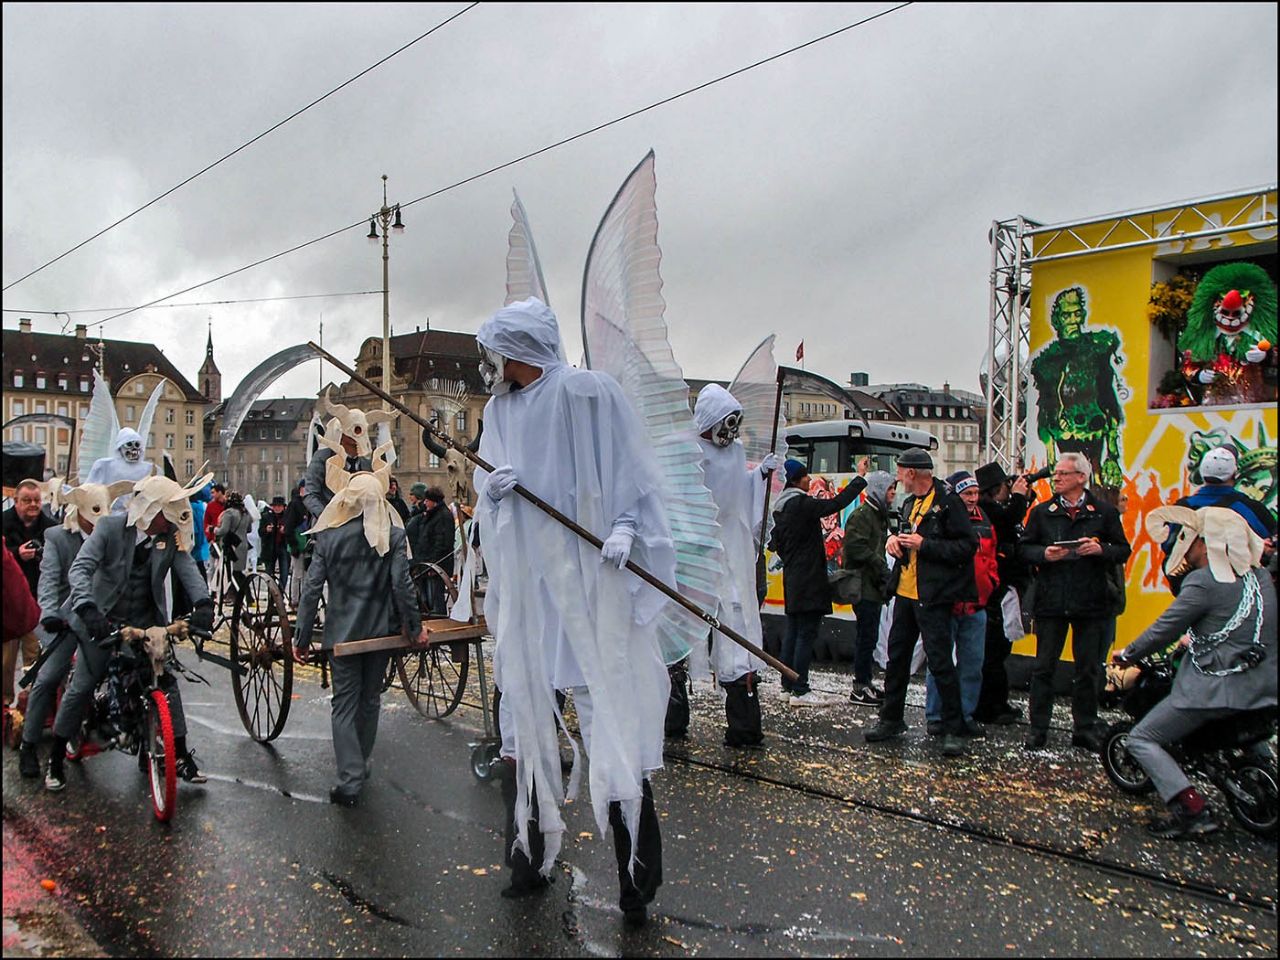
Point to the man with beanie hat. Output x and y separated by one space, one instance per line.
797 540
934 571
1005 500
864 539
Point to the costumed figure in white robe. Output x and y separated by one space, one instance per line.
739 493
565 615
126 463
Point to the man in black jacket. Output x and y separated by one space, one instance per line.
1005 500
797 540
1072 541
934 571
24 526
430 532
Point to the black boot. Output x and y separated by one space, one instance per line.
28 760
742 713
525 878
676 725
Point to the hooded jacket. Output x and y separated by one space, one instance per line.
864 539
797 540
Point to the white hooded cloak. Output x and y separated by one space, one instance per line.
113 469
562 618
739 494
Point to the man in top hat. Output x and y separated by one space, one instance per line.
933 572
1005 499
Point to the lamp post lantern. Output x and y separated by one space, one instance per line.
384 217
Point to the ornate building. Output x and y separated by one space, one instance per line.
52 374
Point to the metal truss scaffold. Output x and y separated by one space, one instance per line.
1173 229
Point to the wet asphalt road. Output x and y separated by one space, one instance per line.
820 845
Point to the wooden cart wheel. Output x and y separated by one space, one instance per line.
421 572
261 638
434 678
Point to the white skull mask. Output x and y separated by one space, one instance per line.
131 450
493 371
357 424
726 431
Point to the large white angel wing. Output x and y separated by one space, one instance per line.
524 270
624 334
149 413
756 388
101 426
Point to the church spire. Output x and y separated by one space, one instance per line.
210 377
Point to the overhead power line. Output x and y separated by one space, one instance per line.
502 166
202 303
242 146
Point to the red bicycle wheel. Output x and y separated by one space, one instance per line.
162 764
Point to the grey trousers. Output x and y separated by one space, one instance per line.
91 667
45 688
357 698
1167 724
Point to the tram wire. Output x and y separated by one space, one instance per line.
1204 891
242 146
510 163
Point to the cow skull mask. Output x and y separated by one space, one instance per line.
1233 548
89 501
155 495
357 424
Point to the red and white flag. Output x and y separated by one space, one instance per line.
800 352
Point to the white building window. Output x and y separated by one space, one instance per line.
139 388
39 381
189 442
41 434
62 409
168 414
189 466
19 434
130 412
62 382
40 408
17 407
82 410
460 422
19 380
151 438
262 455
433 462
84 384
191 417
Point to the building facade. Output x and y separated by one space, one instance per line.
269 453
52 374
940 412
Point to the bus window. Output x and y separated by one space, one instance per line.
826 457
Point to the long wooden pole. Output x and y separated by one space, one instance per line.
709 619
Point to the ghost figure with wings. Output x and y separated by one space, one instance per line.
116 453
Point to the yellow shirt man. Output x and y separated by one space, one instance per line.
907 586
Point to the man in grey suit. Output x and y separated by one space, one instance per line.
85 506
119 576
361 555
1227 609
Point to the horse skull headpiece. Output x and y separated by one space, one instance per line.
92 501
357 424
362 494
156 494
1233 547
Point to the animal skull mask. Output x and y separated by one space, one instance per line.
155 495
357 424
90 501
1233 547
362 494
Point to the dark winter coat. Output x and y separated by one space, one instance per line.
944 568
864 538
296 520
16 533
431 534
271 535
797 540
1074 587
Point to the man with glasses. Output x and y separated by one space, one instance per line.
1071 541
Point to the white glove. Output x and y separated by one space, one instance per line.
617 549
1254 355
1207 376
501 482
770 463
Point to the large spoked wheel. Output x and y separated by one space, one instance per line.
162 763
261 642
434 678
1258 813
423 574
1124 771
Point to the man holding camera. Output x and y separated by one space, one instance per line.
24 527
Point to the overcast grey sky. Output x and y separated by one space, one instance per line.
841 195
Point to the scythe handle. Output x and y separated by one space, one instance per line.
555 514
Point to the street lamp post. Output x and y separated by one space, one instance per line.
384 217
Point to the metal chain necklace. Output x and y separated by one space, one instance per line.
1250 599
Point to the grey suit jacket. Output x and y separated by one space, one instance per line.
318 495
1206 605
100 572
60 549
369 595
